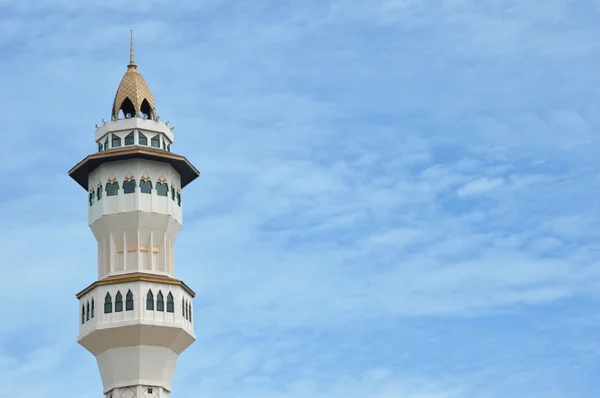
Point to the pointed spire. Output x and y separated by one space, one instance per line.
131 63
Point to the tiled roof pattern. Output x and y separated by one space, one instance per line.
134 87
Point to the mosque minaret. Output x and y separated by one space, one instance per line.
136 318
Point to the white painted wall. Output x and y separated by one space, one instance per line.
139 315
135 232
134 123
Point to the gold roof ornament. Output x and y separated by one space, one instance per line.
133 96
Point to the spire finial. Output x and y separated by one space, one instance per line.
131 49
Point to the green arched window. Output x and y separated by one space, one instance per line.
129 186
162 189
179 198
142 139
100 147
170 304
116 141
129 301
106 143
93 309
91 199
87 311
129 139
107 304
146 186
118 302
99 192
160 303
155 141
112 189
150 300
82 314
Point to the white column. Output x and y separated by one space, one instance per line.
124 251
151 252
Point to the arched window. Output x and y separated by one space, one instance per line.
162 189
93 309
100 147
106 143
178 198
129 139
112 187
116 141
190 304
107 304
186 311
99 192
169 147
145 185
173 192
87 311
127 108
170 304
164 146
129 301
149 300
160 303
142 139
155 141
146 109
183 307
82 314
129 184
118 302
91 200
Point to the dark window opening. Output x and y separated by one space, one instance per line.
145 186
155 141
129 139
129 301
106 143
127 108
129 186
91 200
118 302
186 312
172 192
82 314
162 189
146 110
169 147
190 304
160 304
150 390
87 311
149 300
93 309
112 189
142 139
164 146
170 304
179 198
99 192
100 147
107 304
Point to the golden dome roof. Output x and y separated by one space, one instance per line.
133 95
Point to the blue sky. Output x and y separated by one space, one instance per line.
398 198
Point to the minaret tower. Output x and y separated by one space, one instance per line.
136 318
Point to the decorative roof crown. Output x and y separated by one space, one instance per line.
133 96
